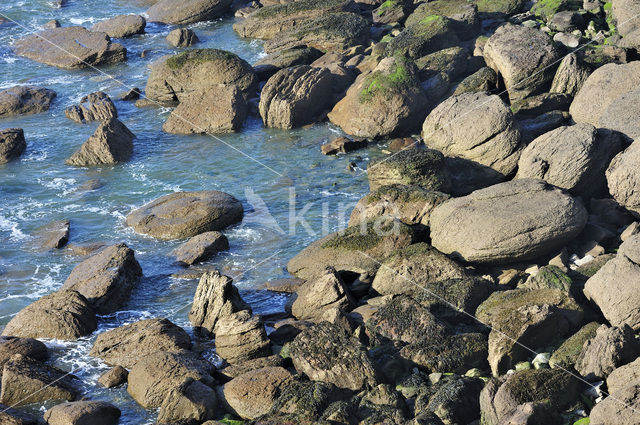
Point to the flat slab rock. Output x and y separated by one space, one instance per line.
121 26
508 222
186 214
23 100
189 11
70 48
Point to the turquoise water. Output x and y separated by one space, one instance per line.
40 188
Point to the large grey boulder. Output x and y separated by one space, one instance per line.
384 102
65 315
610 348
218 109
315 297
111 143
27 347
190 11
125 345
83 412
521 56
623 178
121 26
614 288
620 408
186 214
296 96
23 100
12 144
156 375
477 127
603 88
424 34
215 297
70 48
253 393
509 222
571 157
107 278
621 115
194 71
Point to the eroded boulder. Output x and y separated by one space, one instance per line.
315 297
12 144
253 393
24 100
83 412
201 248
610 348
96 106
240 337
111 143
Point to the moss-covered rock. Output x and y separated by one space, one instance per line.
409 204
549 277
545 9
538 393
499 7
463 14
176 77
358 249
566 355
483 80
585 271
269 21
455 400
501 304
451 63
388 101
426 35
390 11
424 168
306 400
453 353
331 32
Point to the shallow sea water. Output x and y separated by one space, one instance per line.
39 188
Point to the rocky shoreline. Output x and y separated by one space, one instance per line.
488 277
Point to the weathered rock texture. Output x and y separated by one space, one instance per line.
23 100
111 143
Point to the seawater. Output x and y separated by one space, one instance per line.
39 188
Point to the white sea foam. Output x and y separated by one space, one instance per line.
7 225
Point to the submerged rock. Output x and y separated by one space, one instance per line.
480 227
111 143
125 345
24 100
107 278
121 26
65 315
12 144
186 214
70 48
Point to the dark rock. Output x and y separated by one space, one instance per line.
342 145
456 401
26 381
26 347
128 344
566 355
424 168
424 35
12 144
314 353
272 63
133 94
54 235
483 80
11 416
